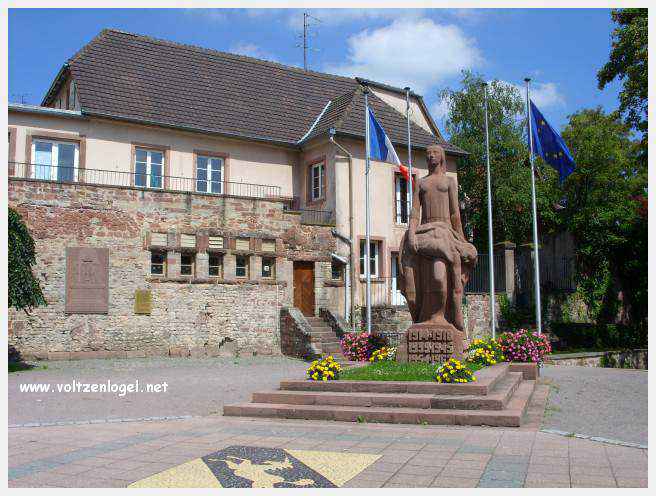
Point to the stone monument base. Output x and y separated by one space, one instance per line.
431 343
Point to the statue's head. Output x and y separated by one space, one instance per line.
436 159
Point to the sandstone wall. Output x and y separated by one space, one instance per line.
190 315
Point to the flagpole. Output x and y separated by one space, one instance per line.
368 210
536 250
407 117
489 220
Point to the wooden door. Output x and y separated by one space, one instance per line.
304 287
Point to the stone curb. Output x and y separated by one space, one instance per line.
595 438
102 421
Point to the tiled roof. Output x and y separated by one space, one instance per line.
127 76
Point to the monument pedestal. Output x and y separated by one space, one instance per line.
431 343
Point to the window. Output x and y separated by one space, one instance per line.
55 160
241 266
215 265
268 267
187 262
209 174
148 168
317 180
374 261
402 197
336 271
158 263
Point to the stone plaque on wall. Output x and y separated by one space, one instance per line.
87 280
143 301
430 343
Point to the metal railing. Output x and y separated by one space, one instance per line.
384 291
556 273
102 177
317 217
479 279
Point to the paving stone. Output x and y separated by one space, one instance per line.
454 482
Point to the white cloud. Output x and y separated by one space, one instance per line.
440 108
547 95
414 52
543 94
251 50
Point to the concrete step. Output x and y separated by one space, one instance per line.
343 399
497 399
330 347
509 417
318 336
487 378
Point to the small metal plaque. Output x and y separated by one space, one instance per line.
143 301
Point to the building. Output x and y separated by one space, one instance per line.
179 197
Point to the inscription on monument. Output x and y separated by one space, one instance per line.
87 280
430 345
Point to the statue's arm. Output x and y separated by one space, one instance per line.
456 223
413 222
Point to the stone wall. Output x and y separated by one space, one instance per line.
190 314
393 321
295 335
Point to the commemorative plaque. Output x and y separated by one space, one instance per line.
87 280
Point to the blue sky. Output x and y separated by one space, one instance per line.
561 49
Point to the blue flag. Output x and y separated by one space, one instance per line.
548 144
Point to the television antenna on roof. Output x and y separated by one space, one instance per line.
20 97
307 18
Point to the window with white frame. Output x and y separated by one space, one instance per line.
158 263
209 174
187 264
373 261
402 199
215 265
148 168
55 160
317 179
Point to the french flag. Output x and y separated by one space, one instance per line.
381 148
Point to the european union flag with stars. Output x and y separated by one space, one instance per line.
549 145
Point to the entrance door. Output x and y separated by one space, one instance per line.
304 287
397 297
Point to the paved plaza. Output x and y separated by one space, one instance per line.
199 447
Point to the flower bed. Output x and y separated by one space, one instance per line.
326 369
453 371
524 346
486 351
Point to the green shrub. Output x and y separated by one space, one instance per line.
599 336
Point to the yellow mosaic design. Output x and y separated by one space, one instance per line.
338 468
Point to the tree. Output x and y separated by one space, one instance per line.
511 185
605 200
628 62
24 290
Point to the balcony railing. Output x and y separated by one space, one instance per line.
73 175
317 217
384 291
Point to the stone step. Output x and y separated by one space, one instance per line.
487 378
509 417
343 399
497 399
331 347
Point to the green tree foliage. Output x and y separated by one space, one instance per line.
606 213
511 184
628 62
24 290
